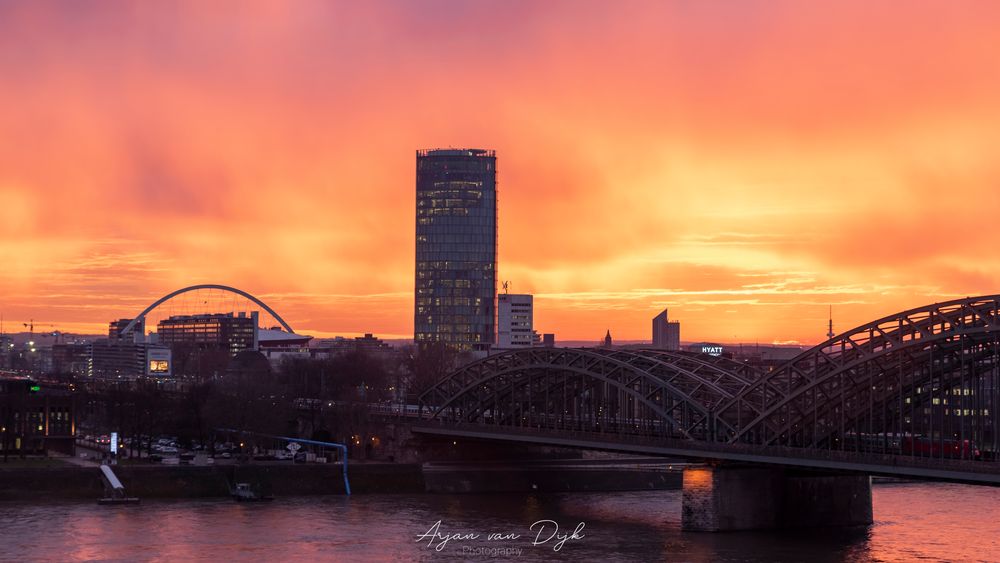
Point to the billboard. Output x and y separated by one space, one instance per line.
159 362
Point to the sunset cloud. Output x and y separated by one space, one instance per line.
744 164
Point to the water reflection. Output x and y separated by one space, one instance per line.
913 521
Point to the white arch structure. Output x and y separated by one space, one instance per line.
131 325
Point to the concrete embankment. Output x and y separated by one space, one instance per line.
285 479
158 481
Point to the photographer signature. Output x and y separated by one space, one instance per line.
545 531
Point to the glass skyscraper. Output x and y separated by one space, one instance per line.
456 274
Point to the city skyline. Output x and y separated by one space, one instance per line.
756 164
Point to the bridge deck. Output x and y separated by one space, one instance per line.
960 471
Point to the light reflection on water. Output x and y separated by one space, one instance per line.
913 521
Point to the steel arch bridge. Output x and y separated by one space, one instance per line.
924 382
131 325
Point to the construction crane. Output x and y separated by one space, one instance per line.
30 325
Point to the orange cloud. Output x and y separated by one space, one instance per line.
743 164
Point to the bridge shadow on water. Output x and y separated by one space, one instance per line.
626 523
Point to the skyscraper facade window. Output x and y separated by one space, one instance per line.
456 255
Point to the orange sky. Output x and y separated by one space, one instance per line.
743 163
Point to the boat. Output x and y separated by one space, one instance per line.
244 493
118 500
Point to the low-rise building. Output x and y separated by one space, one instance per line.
36 419
276 344
339 345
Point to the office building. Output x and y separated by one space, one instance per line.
666 333
219 331
456 249
138 331
514 321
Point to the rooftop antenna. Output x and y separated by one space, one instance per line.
506 284
829 331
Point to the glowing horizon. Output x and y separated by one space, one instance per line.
744 165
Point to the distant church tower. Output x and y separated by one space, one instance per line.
607 339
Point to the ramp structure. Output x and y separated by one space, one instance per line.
114 491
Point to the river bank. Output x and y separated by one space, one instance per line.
159 481
287 479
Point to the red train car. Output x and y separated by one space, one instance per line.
948 448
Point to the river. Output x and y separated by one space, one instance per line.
913 521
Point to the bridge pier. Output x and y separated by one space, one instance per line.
724 498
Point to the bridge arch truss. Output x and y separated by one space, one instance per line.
929 374
131 325
603 390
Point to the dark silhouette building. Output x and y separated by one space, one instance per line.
35 419
456 253
115 359
367 344
666 333
71 358
115 329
